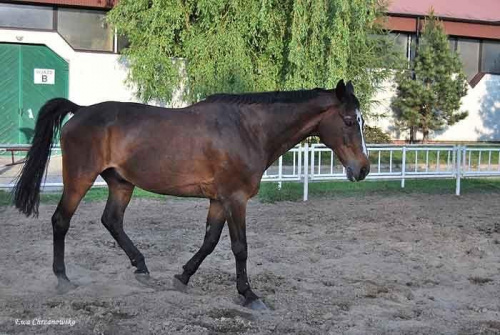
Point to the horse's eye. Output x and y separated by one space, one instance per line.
348 120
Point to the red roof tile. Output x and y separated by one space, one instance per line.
82 3
476 10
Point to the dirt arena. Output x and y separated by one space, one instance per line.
398 264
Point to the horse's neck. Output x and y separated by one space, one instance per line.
286 128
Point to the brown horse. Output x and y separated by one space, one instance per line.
218 149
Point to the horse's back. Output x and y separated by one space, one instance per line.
97 120
170 151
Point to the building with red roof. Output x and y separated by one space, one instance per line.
473 28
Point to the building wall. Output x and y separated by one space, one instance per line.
482 124
93 76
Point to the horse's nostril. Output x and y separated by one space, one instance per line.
350 174
362 173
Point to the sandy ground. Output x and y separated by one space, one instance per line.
419 264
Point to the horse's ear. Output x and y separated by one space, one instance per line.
349 87
340 90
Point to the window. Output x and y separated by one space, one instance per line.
453 43
406 43
468 50
413 46
22 16
85 29
122 43
401 41
490 60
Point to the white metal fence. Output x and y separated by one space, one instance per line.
309 163
316 162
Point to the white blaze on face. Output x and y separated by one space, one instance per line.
360 123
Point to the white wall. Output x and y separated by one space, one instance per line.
93 77
482 124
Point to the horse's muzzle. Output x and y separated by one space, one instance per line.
360 175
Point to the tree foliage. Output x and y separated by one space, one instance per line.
209 46
375 135
429 93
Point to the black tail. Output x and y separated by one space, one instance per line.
27 189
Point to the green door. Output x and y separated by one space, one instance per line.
9 93
35 75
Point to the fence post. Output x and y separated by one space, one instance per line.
403 168
458 168
306 171
299 161
280 171
311 158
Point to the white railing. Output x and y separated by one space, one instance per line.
309 163
396 162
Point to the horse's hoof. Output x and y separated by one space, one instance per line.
64 286
146 280
178 284
256 305
143 278
142 272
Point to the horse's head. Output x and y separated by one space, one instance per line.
341 129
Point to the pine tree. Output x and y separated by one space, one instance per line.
252 45
429 93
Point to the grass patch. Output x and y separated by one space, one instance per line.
101 193
292 191
269 192
95 194
4 198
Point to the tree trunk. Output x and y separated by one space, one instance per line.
425 138
412 134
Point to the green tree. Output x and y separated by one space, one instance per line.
429 93
210 46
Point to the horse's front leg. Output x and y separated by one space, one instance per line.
236 217
215 222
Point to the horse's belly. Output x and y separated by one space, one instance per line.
191 182
182 189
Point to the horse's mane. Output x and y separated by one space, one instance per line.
267 97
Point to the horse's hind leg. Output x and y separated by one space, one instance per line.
74 191
120 192
215 222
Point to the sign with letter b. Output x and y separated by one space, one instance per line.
44 76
